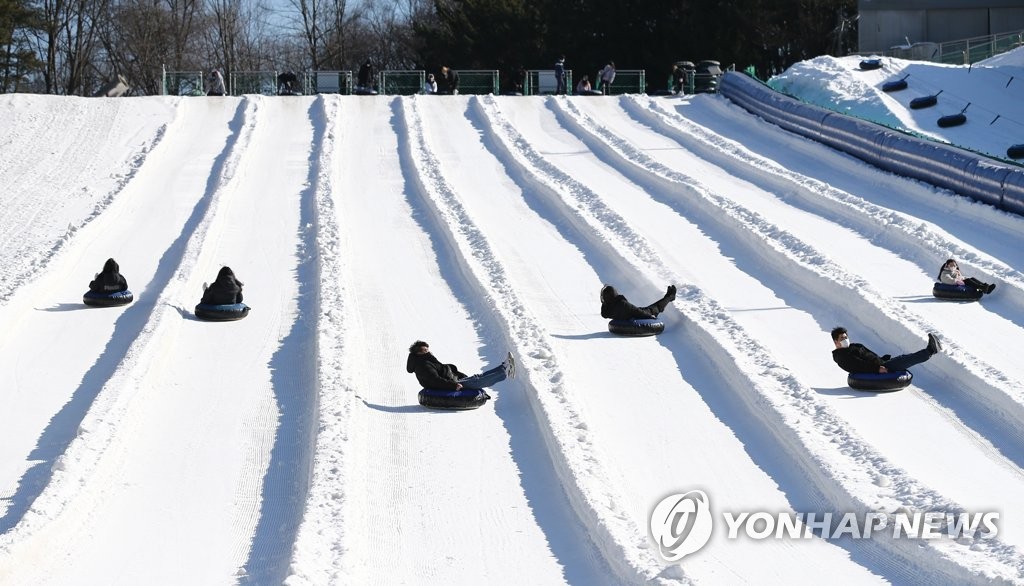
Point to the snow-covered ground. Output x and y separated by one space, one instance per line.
989 94
139 445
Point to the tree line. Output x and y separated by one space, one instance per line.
74 47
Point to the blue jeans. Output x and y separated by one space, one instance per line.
907 360
485 379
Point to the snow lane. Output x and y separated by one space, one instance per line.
70 159
190 448
557 279
822 422
435 497
917 242
42 405
934 425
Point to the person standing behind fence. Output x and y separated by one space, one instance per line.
560 76
216 82
429 86
449 83
365 78
607 77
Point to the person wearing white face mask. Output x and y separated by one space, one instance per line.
858 359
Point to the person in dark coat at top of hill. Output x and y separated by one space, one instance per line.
110 280
226 290
858 359
433 374
365 77
614 305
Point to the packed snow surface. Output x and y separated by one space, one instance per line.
139 445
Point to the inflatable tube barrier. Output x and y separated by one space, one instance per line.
894 86
108 299
924 102
1016 151
869 64
961 292
952 120
890 381
226 312
463 400
636 327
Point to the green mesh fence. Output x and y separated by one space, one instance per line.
183 83
478 82
402 83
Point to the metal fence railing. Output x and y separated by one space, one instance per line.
961 52
478 82
182 83
402 83
397 83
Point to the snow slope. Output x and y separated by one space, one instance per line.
140 445
988 93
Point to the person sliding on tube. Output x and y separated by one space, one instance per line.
109 280
614 305
226 290
858 359
432 374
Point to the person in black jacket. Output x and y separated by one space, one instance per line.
365 77
858 359
226 290
614 305
432 374
448 83
109 280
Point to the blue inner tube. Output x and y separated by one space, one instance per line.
890 381
1016 151
869 64
924 102
108 299
636 327
962 292
453 400
226 312
894 86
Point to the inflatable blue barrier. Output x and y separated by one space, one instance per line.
958 292
894 86
461 400
889 381
108 299
984 179
636 327
226 312
869 64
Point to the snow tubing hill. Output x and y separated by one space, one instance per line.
961 292
108 299
889 381
636 327
462 400
226 312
